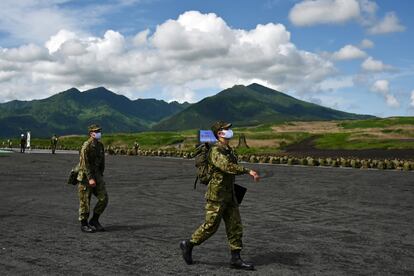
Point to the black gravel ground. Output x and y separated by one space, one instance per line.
300 221
307 148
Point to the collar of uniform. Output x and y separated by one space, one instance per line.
224 146
92 141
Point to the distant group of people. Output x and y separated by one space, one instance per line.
25 142
7 144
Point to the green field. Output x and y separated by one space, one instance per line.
388 133
378 123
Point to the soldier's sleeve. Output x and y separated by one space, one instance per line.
85 162
103 159
223 163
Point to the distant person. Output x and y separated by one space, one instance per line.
53 143
28 140
22 143
220 196
136 147
10 143
91 181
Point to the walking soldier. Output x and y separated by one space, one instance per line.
221 199
90 177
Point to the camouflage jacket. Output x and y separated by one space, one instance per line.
92 160
223 168
53 140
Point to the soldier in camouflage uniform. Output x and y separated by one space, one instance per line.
220 196
90 177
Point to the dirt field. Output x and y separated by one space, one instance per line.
300 221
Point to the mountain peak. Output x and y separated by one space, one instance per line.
261 88
71 91
69 111
256 85
100 89
250 105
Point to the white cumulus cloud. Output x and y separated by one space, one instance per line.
389 24
55 41
382 87
316 12
349 52
373 65
392 101
194 51
313 12
366 44
25 53
412 99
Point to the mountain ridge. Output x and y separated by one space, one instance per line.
251 105
71 111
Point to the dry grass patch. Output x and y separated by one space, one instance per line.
310 127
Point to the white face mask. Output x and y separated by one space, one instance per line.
97 135
227 133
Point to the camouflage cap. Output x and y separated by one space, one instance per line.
94 128
219 125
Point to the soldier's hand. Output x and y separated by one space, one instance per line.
255 175
92 182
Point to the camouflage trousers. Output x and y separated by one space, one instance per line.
85 192
215 211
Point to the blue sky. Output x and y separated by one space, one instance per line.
352 55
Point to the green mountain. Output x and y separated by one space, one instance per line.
250 105
71 111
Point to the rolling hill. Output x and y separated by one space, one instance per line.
250 105
71 111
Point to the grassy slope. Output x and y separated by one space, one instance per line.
72 111
388 133
249 106
378 123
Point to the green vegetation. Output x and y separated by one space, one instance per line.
146 140
258 150
71 111
251 105
268 138
378 123
332 141
262 127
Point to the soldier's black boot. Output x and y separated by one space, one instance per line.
187 249
85 227
237 263
94 222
